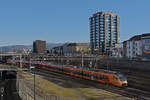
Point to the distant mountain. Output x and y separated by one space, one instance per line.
21 47
18 47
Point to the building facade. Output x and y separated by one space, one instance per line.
145 39
117 51
104 32
39 47
57 51
137 46
132 47
71 49
77 49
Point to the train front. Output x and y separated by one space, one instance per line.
123 80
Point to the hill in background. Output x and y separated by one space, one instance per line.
21 47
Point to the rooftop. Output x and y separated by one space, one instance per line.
138 37
104 13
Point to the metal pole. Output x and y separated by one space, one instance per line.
34 85
34 78
1 53
107 64
82 60
82 64
20 61
30 64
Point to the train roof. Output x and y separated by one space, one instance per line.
104 71
89 69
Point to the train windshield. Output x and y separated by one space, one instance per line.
122 77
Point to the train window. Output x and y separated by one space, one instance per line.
115 78
121 77
64 69
76 72
96 76
87 74
69 70
56 68
40 65
90 74
101 77
84 73
73 71
79 72
105 78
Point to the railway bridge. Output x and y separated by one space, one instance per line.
4 57
7 72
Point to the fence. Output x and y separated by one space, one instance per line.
25 89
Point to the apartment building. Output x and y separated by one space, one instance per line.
104 32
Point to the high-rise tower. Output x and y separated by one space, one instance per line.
104 32
39 47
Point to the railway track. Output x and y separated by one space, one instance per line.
137 79
128 91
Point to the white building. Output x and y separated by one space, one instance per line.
132 48
117 51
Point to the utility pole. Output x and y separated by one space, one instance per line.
34 85
30 63
1 55
34 76
20 61
82 60
107 65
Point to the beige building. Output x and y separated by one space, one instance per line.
71 49
77 48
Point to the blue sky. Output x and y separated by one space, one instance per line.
23 21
